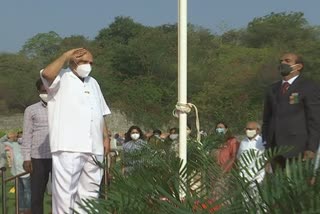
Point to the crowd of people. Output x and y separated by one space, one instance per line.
66 133
10 148
126 143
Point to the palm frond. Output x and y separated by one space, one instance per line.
157 184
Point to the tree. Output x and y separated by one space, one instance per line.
282 30
120 31
42 47
146 101
18 77
74 42
151 53
228 94
233 37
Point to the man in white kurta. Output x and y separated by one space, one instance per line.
76 110
251 168
251 161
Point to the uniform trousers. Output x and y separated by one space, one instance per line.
75 177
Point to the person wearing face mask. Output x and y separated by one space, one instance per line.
252 143
221 130
13 148
156 139
250 161
291 116
35 148
134 142
227 152
173 140
77 129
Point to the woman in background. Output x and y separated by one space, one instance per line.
133 144
227 153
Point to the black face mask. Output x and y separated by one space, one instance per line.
285 69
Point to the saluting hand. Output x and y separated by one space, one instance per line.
74 54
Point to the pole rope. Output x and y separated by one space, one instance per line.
186 108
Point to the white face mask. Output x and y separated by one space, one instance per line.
251 133
220 130
135 136
84 70
44 97
173 136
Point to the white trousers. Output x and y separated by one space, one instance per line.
75 176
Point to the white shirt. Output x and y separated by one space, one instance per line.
75 113
254 145
291 80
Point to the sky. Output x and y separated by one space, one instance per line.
20 20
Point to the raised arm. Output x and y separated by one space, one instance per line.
53 69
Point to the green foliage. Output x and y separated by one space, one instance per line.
156 99
18 81
227 93
157 178
2 133
74 41
233 37
212 142
42 47
136 67
280 30
121 31
157 184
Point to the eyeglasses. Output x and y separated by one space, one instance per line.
250 129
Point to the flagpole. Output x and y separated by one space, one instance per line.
182 78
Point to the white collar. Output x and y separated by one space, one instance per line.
256 138
291 80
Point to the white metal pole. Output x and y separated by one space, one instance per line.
182 78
